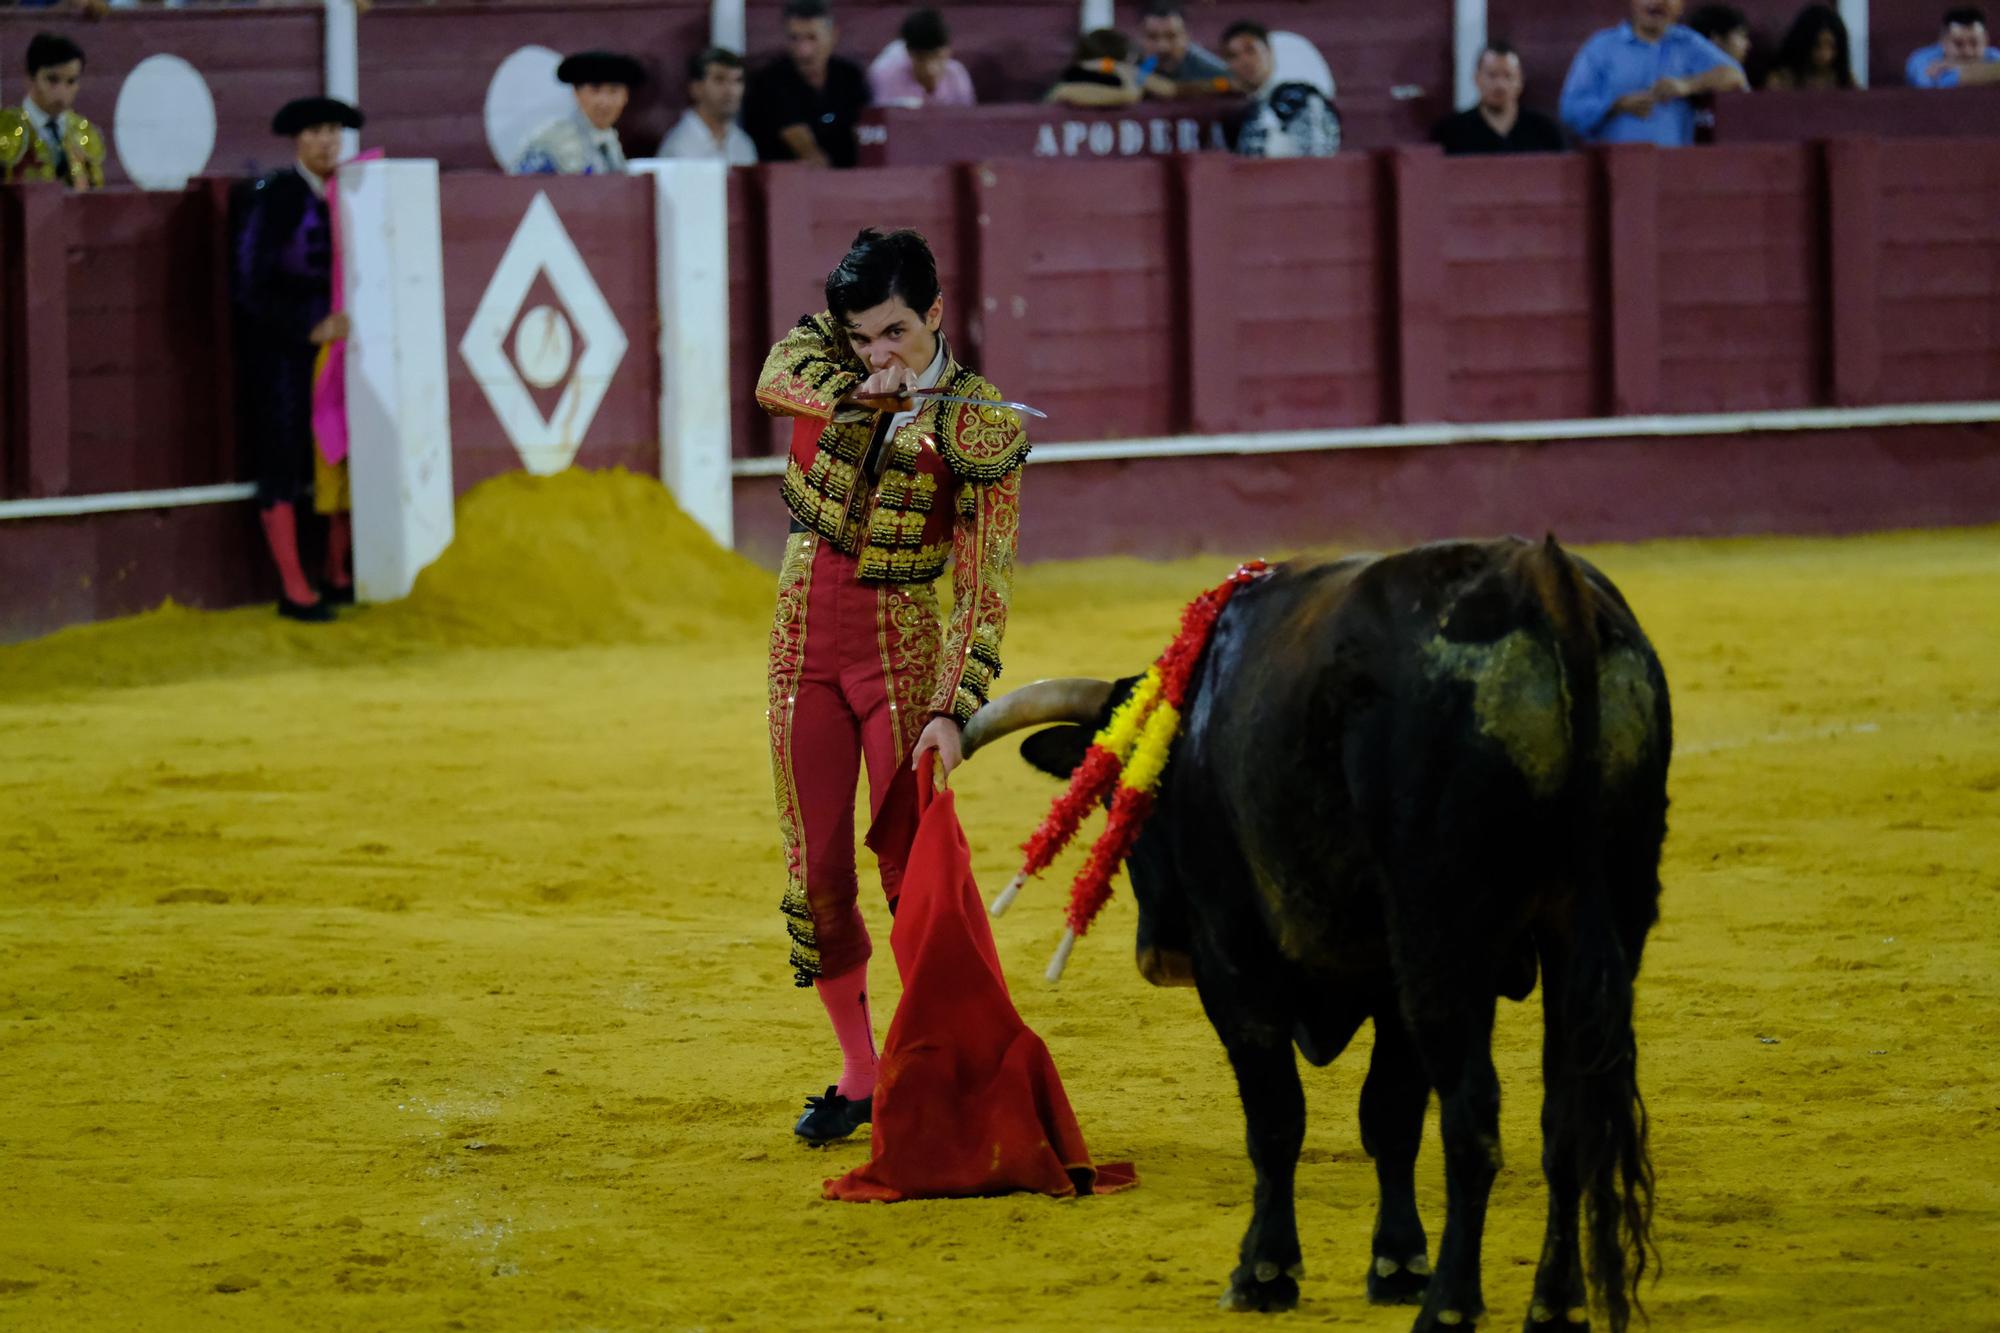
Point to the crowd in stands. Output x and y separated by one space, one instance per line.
1649 79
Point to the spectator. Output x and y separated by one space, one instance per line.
1102 72
1499 123
803 108
585 142
44 139
708 129
1961 60
1725 26
284 295
1631 83
1175 66
1285 119
918 70
1814 53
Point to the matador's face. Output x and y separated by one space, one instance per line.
892 331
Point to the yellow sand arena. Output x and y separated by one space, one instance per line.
426 972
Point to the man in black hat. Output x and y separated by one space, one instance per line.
44 139
284 297
585 142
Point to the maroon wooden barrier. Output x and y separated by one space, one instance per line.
611 223
750 335
253 64
1825 482
118 311
1527 337
1937 295
1742 253
1213 295
1788 117
1287 288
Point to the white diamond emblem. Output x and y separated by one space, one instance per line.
541 245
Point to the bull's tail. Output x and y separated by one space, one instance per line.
1597 1122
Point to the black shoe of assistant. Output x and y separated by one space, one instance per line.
312 613
831 1118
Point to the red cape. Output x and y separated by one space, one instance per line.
968 1101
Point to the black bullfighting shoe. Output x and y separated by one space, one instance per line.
312 613
338 594
831 1118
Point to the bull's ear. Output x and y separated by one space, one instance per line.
1057 750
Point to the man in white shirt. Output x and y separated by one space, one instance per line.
708 130
585 142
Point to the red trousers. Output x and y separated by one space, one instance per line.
852 673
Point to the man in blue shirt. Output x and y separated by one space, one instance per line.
1961 60
1631 83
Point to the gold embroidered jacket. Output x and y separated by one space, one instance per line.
947 486
25 155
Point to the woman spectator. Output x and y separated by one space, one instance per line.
1814 53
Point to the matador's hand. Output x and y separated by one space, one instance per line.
943 735
888 382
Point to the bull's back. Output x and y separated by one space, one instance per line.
1486 639
1349 702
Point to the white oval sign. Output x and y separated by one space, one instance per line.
163 126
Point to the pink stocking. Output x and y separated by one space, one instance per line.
846 1001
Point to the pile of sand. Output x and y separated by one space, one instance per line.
579 557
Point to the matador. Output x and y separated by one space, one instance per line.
885 486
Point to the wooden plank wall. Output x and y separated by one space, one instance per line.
149 344
1938 271
1743 308
1523 275
749 305
1288 285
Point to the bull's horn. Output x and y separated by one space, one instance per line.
1068 699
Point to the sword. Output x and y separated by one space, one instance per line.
939 396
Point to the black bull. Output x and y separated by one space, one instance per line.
1404 784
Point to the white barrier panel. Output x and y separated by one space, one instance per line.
398 400
691 223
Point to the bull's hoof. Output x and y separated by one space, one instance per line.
1262 1289
1541 1319
1393 1283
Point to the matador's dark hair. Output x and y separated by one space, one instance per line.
47 49
879 265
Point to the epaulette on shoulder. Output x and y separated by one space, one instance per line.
981 444
13 135
85 135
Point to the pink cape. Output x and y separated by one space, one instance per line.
329 397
